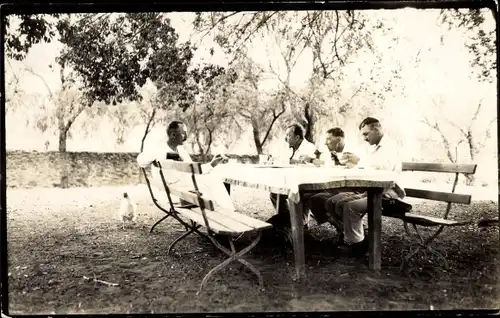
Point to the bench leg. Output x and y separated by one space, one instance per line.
158 222
234 256
172 213
422 244
193 229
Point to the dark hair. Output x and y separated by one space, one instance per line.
297 130
336 132
369 121
174 125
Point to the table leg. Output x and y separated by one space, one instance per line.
374 227
297 223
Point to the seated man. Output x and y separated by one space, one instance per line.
347 209
300 151
335 141
173 149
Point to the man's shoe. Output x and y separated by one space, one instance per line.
356 250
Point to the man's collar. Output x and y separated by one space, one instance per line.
381 142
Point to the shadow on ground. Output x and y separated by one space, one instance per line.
55 240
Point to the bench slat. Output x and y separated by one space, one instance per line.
222 223
247 220
196 216
188 167
439 167
192 198
438 196
424 220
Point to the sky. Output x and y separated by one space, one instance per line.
447 72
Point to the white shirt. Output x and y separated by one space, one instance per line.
385 156
159 154
211 186
326 156
306 148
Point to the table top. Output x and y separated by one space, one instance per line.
290 179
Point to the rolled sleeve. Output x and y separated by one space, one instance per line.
145 158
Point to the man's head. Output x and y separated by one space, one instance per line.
335 139
176 132
294 135
371 130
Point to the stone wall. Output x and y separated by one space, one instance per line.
77 169
92 169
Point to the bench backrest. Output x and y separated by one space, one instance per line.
192 168
450 197
439 167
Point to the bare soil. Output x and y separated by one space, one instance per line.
58 236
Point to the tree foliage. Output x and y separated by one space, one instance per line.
27 30
482 42
212 110
114 56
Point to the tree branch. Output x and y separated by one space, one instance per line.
148 125
446 142
275 117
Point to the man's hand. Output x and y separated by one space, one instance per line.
218 159
305 159
349 159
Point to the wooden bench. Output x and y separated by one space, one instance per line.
201 212
416 219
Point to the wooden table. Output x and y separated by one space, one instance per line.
292 181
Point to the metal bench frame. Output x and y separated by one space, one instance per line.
193 227
424 243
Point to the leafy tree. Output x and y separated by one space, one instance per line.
59 111
333 38
26 30
466 127
482 42
258 108
115 55
211 110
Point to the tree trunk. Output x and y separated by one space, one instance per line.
148 128
472 152
200 146
63 136
146 132
309 124
256 136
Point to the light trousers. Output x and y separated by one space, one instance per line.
346 211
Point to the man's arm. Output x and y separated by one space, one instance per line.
145 158
308 155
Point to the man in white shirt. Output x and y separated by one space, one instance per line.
348 208
173 149
335 141
300 151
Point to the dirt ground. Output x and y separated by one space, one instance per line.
58 236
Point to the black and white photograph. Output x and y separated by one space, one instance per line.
250 159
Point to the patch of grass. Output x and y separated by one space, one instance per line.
55 237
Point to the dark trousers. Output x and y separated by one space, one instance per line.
282 218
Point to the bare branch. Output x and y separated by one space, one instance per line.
446 142
476 113
456 126
221 19
30 70
148 127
